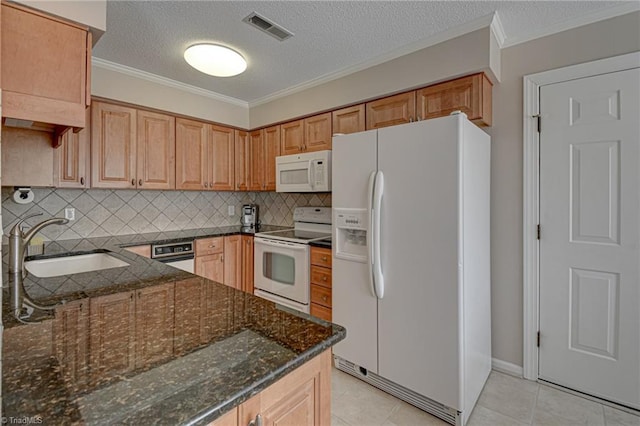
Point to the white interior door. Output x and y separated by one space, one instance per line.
589 216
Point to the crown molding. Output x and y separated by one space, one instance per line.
611 12
153 78
449 34
498 29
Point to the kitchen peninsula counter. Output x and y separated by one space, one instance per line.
147 343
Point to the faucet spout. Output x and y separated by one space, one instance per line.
18 242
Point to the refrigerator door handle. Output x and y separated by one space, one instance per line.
370 238
378 191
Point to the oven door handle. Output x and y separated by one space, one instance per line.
279 244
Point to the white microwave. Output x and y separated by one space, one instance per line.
308 172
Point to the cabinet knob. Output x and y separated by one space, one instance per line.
140 182
206 184
81 181
210 184
324 278
325 298
324 258
133 182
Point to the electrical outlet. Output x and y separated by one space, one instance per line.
70 213
231 210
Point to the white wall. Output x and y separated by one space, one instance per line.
602 39
142 90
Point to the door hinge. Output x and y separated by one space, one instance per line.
537 117
538 232
538 340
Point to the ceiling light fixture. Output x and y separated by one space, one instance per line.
216 60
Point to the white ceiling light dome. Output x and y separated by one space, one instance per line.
214 59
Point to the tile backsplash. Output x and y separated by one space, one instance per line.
105 212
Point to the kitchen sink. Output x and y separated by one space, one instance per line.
74 264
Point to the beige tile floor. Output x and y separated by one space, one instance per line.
505 401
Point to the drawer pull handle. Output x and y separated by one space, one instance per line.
324 258
324 278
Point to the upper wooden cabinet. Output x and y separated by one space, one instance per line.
46 65
205 156
113 146
256 155
73 162
349 120
471 95
311 134
392 110
242 160
221 154
271 149
156 151
191 157
131 148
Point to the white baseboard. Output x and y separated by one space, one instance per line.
506 367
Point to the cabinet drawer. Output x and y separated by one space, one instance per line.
321 295
321 312
207 246
321 276
321 257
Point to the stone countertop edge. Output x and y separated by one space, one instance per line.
264 382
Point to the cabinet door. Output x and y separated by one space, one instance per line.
112 339
392 110
256 177
71 341
221 159
242 160
271 136
154 324
317 132
73 158
292 137
233 261
113 146
191 156
45 67
348 120
471 95
247 263
302 397
156 154
144 250
188 314
211 267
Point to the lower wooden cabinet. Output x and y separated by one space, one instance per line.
247 263
154 324
112 338
227 260
320 278
71 341
302 398
144 250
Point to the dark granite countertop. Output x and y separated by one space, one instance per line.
147 343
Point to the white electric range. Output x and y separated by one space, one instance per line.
281 258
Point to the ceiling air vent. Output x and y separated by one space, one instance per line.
263 24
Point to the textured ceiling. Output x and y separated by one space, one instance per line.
330 36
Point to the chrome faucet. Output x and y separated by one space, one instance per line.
18 243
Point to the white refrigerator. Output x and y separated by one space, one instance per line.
411 268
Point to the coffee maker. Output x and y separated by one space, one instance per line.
249 218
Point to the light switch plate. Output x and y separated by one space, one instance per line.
231 210
70 213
